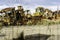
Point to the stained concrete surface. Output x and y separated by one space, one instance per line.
14 31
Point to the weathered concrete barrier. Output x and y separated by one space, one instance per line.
14 31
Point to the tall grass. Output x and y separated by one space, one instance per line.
47 22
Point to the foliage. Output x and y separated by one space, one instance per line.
38 13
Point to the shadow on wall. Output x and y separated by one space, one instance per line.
21 37
37 37
32 37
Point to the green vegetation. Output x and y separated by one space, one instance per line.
41 16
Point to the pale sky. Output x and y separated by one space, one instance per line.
31 4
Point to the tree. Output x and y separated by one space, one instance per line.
27 11
39 9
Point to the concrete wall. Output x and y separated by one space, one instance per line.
14 31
